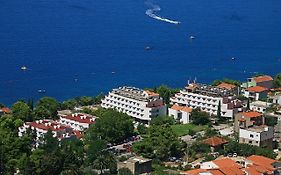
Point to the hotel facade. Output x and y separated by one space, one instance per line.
208 98
140 104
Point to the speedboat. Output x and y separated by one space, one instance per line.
147 48
192 37
233 58
41 91
23 68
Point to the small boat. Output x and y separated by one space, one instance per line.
147 48
23 68
41 91
113 72
233 58
192 37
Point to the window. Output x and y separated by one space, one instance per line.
251 135
250 141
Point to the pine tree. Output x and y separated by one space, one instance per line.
219 111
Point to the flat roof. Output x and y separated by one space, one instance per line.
134 93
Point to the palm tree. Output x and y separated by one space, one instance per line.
104 161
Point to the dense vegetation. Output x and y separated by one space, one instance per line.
159 143
277 80
70 156
226 80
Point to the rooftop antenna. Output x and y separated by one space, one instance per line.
195 79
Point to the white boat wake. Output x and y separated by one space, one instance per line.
155 8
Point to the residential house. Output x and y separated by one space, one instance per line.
259 106
247 119
265 81
275 99
256 92
5 110
262 165
252 165
261 136
229 87
225 166
181 113
216 143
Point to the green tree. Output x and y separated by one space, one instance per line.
104 161
21 111
248 104
162 120
270 120
30 103
141 128
50 143
98 98
219 111
69 104
226 80
199 117
160 143
277 80
124 171
47 107
116 131
165 92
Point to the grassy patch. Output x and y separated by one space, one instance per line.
181 129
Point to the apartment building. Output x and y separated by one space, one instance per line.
207 98
257 135
140 104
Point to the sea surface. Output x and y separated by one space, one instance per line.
84 47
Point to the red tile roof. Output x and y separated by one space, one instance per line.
48 124
263 162
56 127
81 118
263 78
151 93
226 86
181 108
215 141
226 163
226 166
6 110
251 114
256 89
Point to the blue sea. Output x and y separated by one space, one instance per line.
84 47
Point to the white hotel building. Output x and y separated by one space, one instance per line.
140 104
77 121
68 126
41 127
207 98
